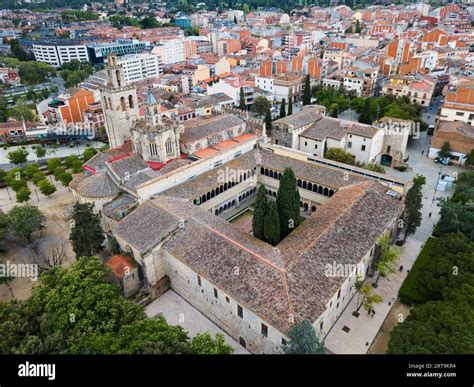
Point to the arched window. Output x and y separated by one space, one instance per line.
117 75
320 190
225 186
130 101
304 184
310 187
169 146
271 173
279 176
221 189
208 195
262 170
326 192
122 104
266 172
315 188
203 198
213 194
331 192
299 183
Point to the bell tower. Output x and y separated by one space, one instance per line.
119 104
156 138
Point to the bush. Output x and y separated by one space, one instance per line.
409 293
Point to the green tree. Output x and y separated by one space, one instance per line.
303 340
23 194
58 171
334 110
46 188
242 105
33 73
369 298
31 169
86 234
271 225
260 210
288 203
388 258
37 177
77 166
374 167
340 155
290 106
470 158
88 153
445 151
205 344
24 221
18 157
307 91
261 104
283 108
75 72
268 121
53 164
438 327
413 204
366 115
40 152
65 179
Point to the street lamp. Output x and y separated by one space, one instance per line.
437 182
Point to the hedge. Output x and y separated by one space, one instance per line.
409 291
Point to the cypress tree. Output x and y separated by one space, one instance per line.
288 203
242 99
271 226
366 115
261 208
268 121
283 108
307 91
413 205
290 106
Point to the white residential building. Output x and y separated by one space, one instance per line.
56 54
140 66
171 51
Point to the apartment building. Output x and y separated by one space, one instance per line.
458 104
170 51
361 79
282 86
98 51
419 89
58 53
140 66
70 107
231 87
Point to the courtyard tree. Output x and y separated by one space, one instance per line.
307 91
25 221
470 159
260 210
46 187
18 157
22 112
65 178
271 224
86 233
53 164
303 340
23 194
413 204
288 203
31 169
283 108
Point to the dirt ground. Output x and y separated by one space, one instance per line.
57 226
244 221
379 345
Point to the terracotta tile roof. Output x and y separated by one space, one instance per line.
121 265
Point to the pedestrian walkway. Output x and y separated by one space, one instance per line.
363 329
